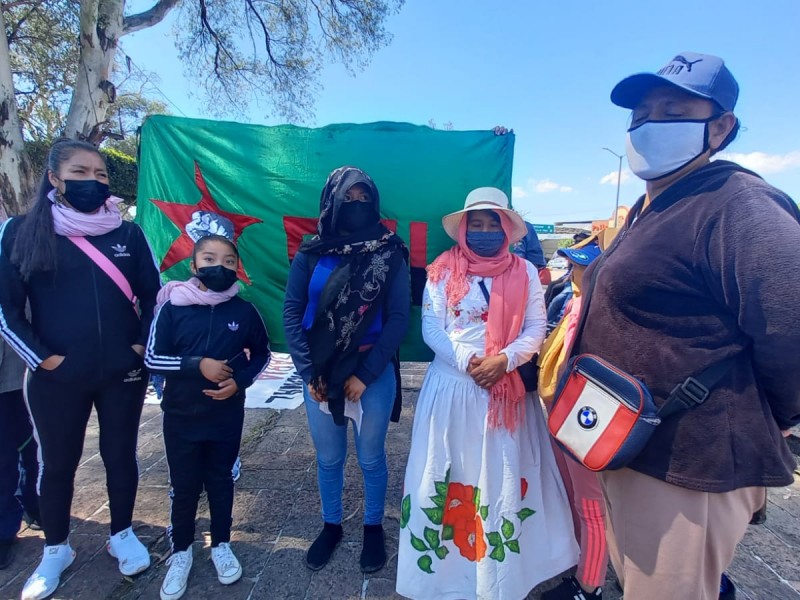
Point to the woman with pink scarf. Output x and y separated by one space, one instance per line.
91 283
484 513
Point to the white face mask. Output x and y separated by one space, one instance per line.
656 149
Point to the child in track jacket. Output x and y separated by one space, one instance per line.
210 345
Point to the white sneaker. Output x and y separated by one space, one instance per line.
45 579
174 586
228 568
133 557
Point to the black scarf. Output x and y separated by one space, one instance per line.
356 289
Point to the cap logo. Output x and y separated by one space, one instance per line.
673 69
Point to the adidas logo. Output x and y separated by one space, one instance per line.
120 250
233 326
135 375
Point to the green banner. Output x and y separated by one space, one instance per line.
267 180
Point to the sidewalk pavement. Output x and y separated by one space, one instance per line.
276 517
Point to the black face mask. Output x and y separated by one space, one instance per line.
218 278
354 216
86 195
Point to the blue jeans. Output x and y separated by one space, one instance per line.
330 441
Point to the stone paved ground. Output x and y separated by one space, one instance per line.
276 516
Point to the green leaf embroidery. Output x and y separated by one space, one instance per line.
525 513
494 538
513 545
405 511
476 496
424 563
484 512
498 554
434 514
447 532
507 528
441 488
441 552
418 544
438 500
432 537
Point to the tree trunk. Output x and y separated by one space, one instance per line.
101 28
16 178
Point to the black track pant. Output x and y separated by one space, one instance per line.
60 413
200 453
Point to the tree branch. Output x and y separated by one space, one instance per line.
267 38
148 18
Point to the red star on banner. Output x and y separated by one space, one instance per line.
181 215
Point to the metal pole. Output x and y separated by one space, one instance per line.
616 206
619 181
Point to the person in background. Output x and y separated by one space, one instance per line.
198 343
688 285
346 312
91 283
530 248
18 464
583 486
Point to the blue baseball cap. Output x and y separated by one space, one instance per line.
583 255
700 75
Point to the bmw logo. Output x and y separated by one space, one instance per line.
587 418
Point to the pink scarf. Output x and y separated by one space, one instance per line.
186 293
508 301
69 222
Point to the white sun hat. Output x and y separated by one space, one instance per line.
485 198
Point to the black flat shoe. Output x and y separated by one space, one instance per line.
322 549
373 552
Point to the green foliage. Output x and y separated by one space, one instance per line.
44 51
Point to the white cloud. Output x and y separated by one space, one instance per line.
544 186
764 163
611 178
517 192
538 186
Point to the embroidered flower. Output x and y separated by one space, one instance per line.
362 309
347 249
459 505
469 539
524 486
485 316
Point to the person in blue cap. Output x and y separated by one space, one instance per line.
688 286
582 485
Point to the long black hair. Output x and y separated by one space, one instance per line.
35 246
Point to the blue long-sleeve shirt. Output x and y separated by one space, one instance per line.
392 321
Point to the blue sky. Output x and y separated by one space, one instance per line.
546 69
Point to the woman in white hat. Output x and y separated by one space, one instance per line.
484 513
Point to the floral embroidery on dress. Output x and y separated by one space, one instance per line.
460 517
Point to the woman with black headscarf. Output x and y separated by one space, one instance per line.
346 311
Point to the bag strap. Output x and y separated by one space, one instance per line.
695 390
105 265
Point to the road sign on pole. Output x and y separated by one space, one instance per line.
544 228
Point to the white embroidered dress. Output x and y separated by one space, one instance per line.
484 513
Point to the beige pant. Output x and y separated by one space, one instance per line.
668 542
